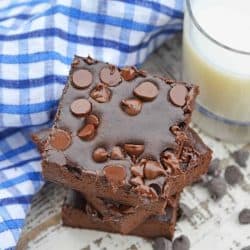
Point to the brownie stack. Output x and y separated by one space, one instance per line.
121 143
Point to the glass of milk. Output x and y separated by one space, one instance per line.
216 56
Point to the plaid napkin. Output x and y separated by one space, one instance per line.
38 39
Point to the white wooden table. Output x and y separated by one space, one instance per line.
214 225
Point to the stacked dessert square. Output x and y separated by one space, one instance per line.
121 143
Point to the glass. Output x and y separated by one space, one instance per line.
222 70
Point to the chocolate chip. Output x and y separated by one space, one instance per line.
82 78
134 150
162 243
181 243
100 155
75 62
214 168
117 153
185 211
136 181
246 248
110 75
147 91
80 107
101 93
152 169
89 60
217 188
93 119
142 73
156 187
170 162
138 170
60 139
178 94
244 216
128 73
87 132
146 191
241 156
233 175
115 173
131 106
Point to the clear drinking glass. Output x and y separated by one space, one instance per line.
222 71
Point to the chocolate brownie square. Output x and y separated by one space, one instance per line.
121 134
78 213
125 218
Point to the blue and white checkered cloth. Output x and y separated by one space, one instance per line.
38 39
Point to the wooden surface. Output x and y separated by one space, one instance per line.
43 230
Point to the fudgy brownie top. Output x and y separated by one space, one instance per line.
124 124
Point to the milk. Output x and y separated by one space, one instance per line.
221 70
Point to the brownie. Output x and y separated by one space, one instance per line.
121 134
121 217
126 218
76 212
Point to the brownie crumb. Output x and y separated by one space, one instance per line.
217 188
214 168
185 212
181 243
233 175
244 216
241 157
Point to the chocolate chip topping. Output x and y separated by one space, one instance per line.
87 132
115 173
134 150
131 106
157 188
93 119
178 94
217 188
117 153
101 93
100 155
152 169
128 73
170 162
80 107
233 175
181 243
82 78
110 75
244 216
136 181
147 91
138 170
75 62
89 60
162 243
60 139
146 191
